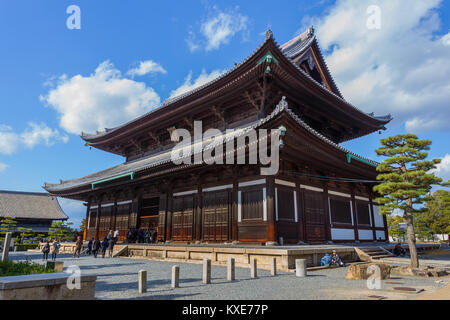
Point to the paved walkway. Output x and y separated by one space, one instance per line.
441 294
117 279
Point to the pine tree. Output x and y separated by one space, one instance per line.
405 181
437 215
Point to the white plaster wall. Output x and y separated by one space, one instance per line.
342 234
365 234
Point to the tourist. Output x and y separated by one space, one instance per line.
326 260
104 247
110 247
399 251
129 235
46 250
140 236
78 246
96 247
147 236
336 260
54 249
90 243
116 236
110 235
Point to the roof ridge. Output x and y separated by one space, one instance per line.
25 193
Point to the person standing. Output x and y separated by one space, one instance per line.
110 247
54 249
78 246
116 236
96 247
110 235
46 250
104 247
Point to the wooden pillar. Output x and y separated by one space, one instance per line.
372 217
169 214
328 236
198 215
162 224
86 222
355 220
386 232
97 221
270 203
234 216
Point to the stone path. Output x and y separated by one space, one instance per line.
117 279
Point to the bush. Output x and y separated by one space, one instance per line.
11 268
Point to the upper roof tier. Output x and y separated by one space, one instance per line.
299 65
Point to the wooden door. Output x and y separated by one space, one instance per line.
183 218
216 216
315 219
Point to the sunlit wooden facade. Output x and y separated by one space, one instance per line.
322 191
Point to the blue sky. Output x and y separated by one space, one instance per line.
150 50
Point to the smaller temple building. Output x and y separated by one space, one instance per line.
35 211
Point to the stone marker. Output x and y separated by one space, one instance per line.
300 268
6 245
362 271
206 271
57 266
175 277
273 267
142 281
231 269
253 268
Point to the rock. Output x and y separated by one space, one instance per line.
362 271
428 272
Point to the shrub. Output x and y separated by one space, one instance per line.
11 268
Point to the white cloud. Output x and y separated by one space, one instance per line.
401 68
146 67
41 134
443 169
3 167
102 100
190 84
219 29
33 135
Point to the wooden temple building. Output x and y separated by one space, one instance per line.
322 192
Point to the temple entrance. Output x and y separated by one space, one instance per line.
149 213
216 216
315 220
183 218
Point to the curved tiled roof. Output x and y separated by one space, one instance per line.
165 157
27 205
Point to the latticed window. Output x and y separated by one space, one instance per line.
341 211
252 205
123 216
105 218
363 213
285 201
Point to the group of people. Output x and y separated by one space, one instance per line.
142 235
332 260
52 248
108 243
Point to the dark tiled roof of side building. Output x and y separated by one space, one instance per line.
30 205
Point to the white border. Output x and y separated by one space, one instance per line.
124 202
264 204
107 205
229 186
239 206
276 204
295 206
285 183
252 183
362 198
186 193
311 188
339 194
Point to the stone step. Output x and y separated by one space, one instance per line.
381 256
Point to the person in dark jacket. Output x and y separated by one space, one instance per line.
90 243
104 247
96 247
110 247
140 236
46 250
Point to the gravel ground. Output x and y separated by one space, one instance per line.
117 279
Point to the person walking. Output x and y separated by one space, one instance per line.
116 236
104 247
78 246
110 247
96 247
54 250
90 243
46 250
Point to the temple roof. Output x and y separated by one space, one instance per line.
165 157
26 205
290 50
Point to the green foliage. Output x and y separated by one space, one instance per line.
26 236
61 231
437 215
422 227
11 268
7 224
83 225
394 227
404 175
